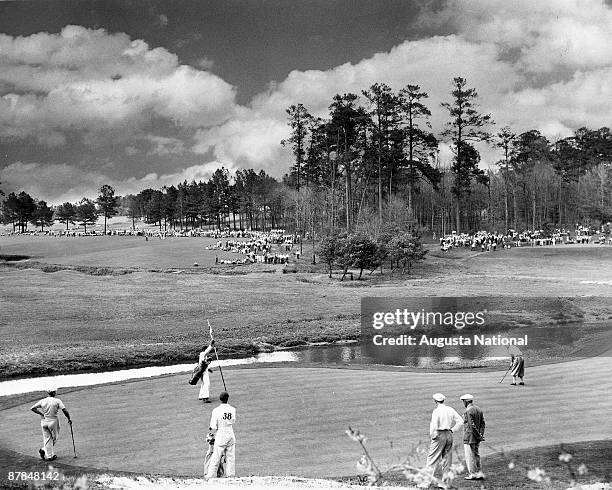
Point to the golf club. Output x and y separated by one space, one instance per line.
217 355
72 434
505 374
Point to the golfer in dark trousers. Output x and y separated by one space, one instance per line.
473 433
518 369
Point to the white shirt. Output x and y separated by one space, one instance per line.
49 406
444 418
204 354
223 418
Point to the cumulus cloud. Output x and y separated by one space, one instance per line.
99 84
249 140
536 65
432 63
548 33
543 65
58 183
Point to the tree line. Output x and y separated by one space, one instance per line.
373 165
376 156
246 200
21 209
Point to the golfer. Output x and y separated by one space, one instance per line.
48 408
222 426
205 361
473 433
444 421
517 369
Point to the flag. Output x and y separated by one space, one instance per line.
210 330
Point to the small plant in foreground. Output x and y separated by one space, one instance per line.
409 468
422 478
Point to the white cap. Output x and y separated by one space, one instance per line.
52 389
439 397
467 396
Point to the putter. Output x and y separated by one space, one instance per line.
505 374
72 434
508 368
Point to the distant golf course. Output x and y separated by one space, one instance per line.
100 303
97 303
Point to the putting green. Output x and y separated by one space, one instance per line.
291 421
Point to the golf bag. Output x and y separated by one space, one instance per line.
196 374
211 446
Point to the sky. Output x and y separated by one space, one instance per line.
148 93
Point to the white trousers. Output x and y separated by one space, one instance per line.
472 458
440 453
205 388
224 447
208 457
50 431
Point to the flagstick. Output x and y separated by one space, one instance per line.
217 356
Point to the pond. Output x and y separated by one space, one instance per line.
432 356
426 356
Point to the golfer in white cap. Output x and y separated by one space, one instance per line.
444 421
48 408
473 433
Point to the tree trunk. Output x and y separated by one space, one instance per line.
533 209
410 200
506 197
457 215
349 197
515 205
380 206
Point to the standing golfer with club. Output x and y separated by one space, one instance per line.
444 421
517 367
48 408
222 423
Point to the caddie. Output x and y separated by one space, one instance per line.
517 369
473 434
444 421
222 423
48 408
205 362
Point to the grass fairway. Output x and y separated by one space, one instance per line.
123 252
106 302
67 321
291 421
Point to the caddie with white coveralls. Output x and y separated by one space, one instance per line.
222 425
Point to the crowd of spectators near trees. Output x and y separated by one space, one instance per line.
366 181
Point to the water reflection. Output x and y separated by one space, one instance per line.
424 356
428 356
